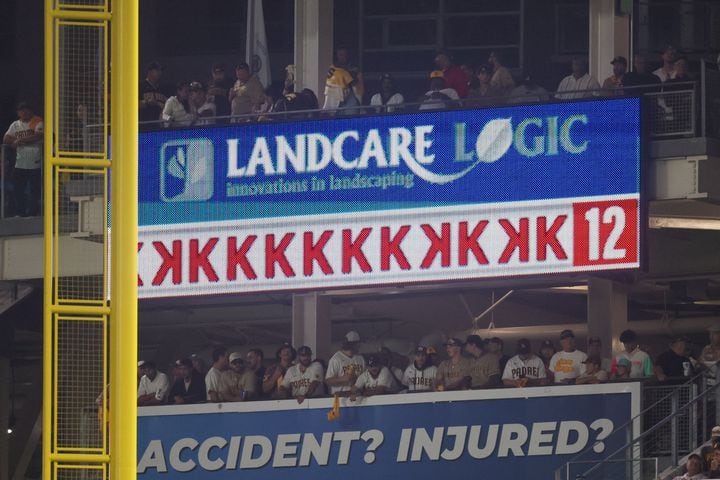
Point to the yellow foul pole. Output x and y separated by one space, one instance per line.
124 220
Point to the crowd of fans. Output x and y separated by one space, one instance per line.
470 364
242 97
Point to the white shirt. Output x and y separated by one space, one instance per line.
517 368
298 381
435 103
567 365
663 75
213 382
640 363
28 155
384 379
159 386
396 99
174 113
572 84
206 114
420 380
341 365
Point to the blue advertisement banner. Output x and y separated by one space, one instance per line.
526 433
402 161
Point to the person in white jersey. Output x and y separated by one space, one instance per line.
525 368
304 379
154 385
345 366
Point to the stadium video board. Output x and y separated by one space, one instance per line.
392 199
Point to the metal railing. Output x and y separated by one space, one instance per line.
636 469
669 429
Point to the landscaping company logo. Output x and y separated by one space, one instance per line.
186 170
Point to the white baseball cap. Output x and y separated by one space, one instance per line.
235 355
352 336
141 363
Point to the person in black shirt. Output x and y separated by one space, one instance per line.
152 95
640 76
217 91
674 363
190 388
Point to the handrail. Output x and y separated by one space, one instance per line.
652 429
319 113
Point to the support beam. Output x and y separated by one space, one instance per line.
6 382
123 293
607 314
313 44
609 37
311 323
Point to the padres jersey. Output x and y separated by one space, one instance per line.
567 365
384 379
483 368
418 380
298 381
517 368
341 365
448 373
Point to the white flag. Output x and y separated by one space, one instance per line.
256 50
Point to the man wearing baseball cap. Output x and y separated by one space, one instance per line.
154 385
345 366
239 384
376 380
674 362
485 369
190 387
612 85
304 379
420 375
567 364
455 373
525 368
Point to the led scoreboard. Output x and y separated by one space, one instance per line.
374 200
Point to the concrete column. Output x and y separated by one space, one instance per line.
5 388
607 314
313 44
311 323
609 37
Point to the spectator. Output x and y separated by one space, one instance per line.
238 383
219 89
496 346
547 350
471 73
388 94
247 93
254 363
304 379
274 374
594 347
345 366
567 364
693 468
376 380
455 373
338 89
199 364
525 368
177 112
152 95
343 60
484 369
483 88
710 355
203 110
190 387
501 78
579 83
614 83
682 73
667 70
622 370
711 453
454 76
674 362
640 362
213 379
387 359
639 76
593 371
528 91
440 95
713 460
420 375
154 385
25 136
296 102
